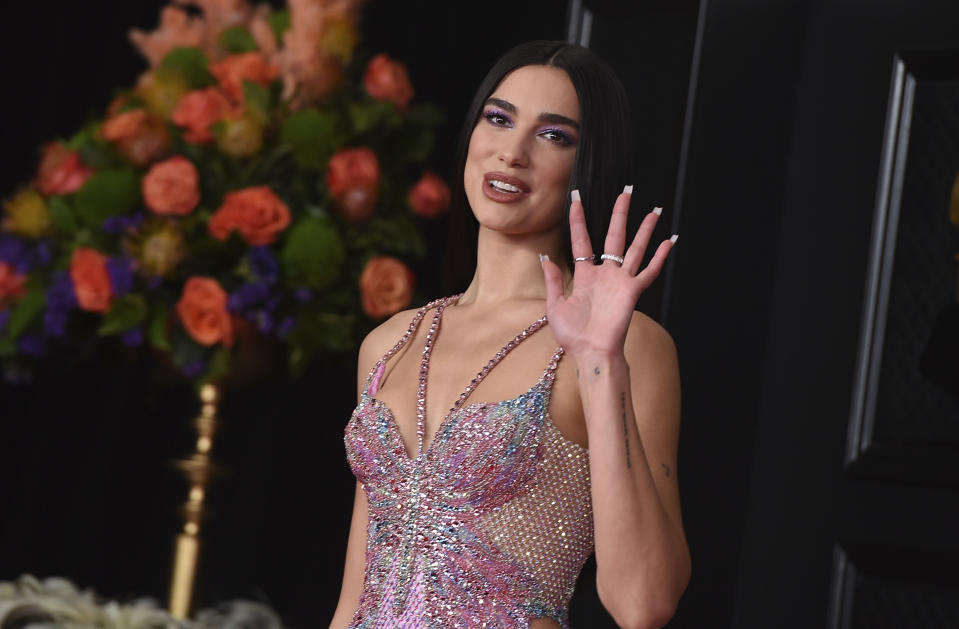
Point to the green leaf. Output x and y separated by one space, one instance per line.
126 312
86 135
191 64
366 115
218 366
25 311
157 333
313 253
257 99
61 215
319 330
7 348
313 137
425 115
107 193
236 40
279 21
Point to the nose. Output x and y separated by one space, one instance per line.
514 152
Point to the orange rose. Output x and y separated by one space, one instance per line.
12 284
353 179
60 170
257 213
247 66
202 310
430 196
91 281
197 110
386 286
385 79
172 187
138 136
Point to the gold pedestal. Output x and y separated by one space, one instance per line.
198 470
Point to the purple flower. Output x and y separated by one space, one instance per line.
245 296
43 253
194 368
264 321
303 295
60 301
4 318
15 253
120 224
263 264
285 326
132 337
30 344
120 270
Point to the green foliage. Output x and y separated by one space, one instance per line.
125 313
25 311
313 253
258 101
312 136
319 331
237 40
61 215
107 193
279 21
191 64
364 115
156 329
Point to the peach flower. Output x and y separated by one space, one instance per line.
257 213
430 196
386 286
138 136
12 284
60 170
172 187
202 311
91 281
386 79
199 109
231 71
353 179
177 29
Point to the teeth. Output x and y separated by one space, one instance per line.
503 186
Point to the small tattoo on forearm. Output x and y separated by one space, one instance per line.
596 370
622 399
577 373
665 467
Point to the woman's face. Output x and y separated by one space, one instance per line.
521 152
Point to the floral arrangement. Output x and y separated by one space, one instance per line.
57 603
257 180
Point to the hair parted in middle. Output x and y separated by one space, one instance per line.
604 155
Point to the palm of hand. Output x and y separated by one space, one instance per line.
595 316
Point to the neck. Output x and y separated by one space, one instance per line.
508 267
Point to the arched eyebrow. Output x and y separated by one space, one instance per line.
509 107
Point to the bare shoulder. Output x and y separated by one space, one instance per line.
383 337
648 344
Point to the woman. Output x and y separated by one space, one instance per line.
482 515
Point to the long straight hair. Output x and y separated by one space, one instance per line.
604 156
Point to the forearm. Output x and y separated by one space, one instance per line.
641 555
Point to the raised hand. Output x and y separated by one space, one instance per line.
595 315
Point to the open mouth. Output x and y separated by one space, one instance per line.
502 186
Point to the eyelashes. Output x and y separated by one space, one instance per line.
499 118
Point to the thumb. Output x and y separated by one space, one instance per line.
554 281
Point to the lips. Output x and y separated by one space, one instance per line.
503 188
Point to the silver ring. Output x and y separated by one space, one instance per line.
591 258
610 256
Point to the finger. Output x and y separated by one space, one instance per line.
616 234
634 255
554 281
648 275
578 234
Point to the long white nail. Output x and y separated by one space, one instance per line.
628 190
674 238
574 195
543 258
657 210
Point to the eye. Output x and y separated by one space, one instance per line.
497 118
558 136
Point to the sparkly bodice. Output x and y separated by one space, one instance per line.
489 526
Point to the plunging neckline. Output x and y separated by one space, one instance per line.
423 452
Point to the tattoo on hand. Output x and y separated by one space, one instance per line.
665 467
622 399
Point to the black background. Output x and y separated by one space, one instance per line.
773 198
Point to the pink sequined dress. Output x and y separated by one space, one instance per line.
490 526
